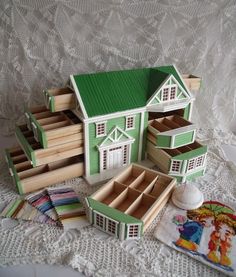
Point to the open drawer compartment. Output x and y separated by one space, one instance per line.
184 163
132 198
171 132
193 82
60 99
40 156
29 179
51 129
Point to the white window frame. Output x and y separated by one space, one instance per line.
95 221
128 230
195 163
169 87
126 122
106 220
105 129
203 161
180 166
116 226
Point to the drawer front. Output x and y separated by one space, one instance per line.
51 129
28 179
60 99
40 156
171 132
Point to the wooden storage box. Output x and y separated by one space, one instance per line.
40 156
193 82
28 179
60 99
171 132
51 129
127 204
184 163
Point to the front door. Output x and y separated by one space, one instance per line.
115 157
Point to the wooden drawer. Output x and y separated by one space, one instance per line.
38 155
28 179
52 129
134 197
60 99
171 132
182 162
193 82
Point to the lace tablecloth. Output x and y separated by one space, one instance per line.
97 254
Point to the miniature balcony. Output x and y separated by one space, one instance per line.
171 132
60 99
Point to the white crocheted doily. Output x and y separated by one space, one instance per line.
97 254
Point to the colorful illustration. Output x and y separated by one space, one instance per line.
191 229
211 214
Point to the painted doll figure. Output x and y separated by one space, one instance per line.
191 230
220 243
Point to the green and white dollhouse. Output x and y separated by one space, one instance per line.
130 115
102 122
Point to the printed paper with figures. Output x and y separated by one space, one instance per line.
207 234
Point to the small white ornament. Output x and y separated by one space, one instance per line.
187 197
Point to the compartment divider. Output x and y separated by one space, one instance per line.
137 181
170 124
134 205
151 185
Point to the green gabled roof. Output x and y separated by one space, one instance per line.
109 92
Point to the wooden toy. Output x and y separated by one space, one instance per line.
126 205
110 120
28 179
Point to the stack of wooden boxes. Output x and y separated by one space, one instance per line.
50 144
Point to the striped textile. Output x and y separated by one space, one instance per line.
42 202
68 207
21 209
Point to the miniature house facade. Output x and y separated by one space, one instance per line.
120 110
102 122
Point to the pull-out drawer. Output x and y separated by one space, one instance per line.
192 82
28 179
184 163
38 155
60 99
51 129
171 132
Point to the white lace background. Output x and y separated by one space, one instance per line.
43 41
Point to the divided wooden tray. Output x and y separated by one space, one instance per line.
137 192
51 129
38 155
28 179
171 132
60 99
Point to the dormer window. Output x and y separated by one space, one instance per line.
169 93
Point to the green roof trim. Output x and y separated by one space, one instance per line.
109 92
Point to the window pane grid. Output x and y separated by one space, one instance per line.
130 122
175 166
99 221
100 130
199 161
125 154
111 226
133 231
